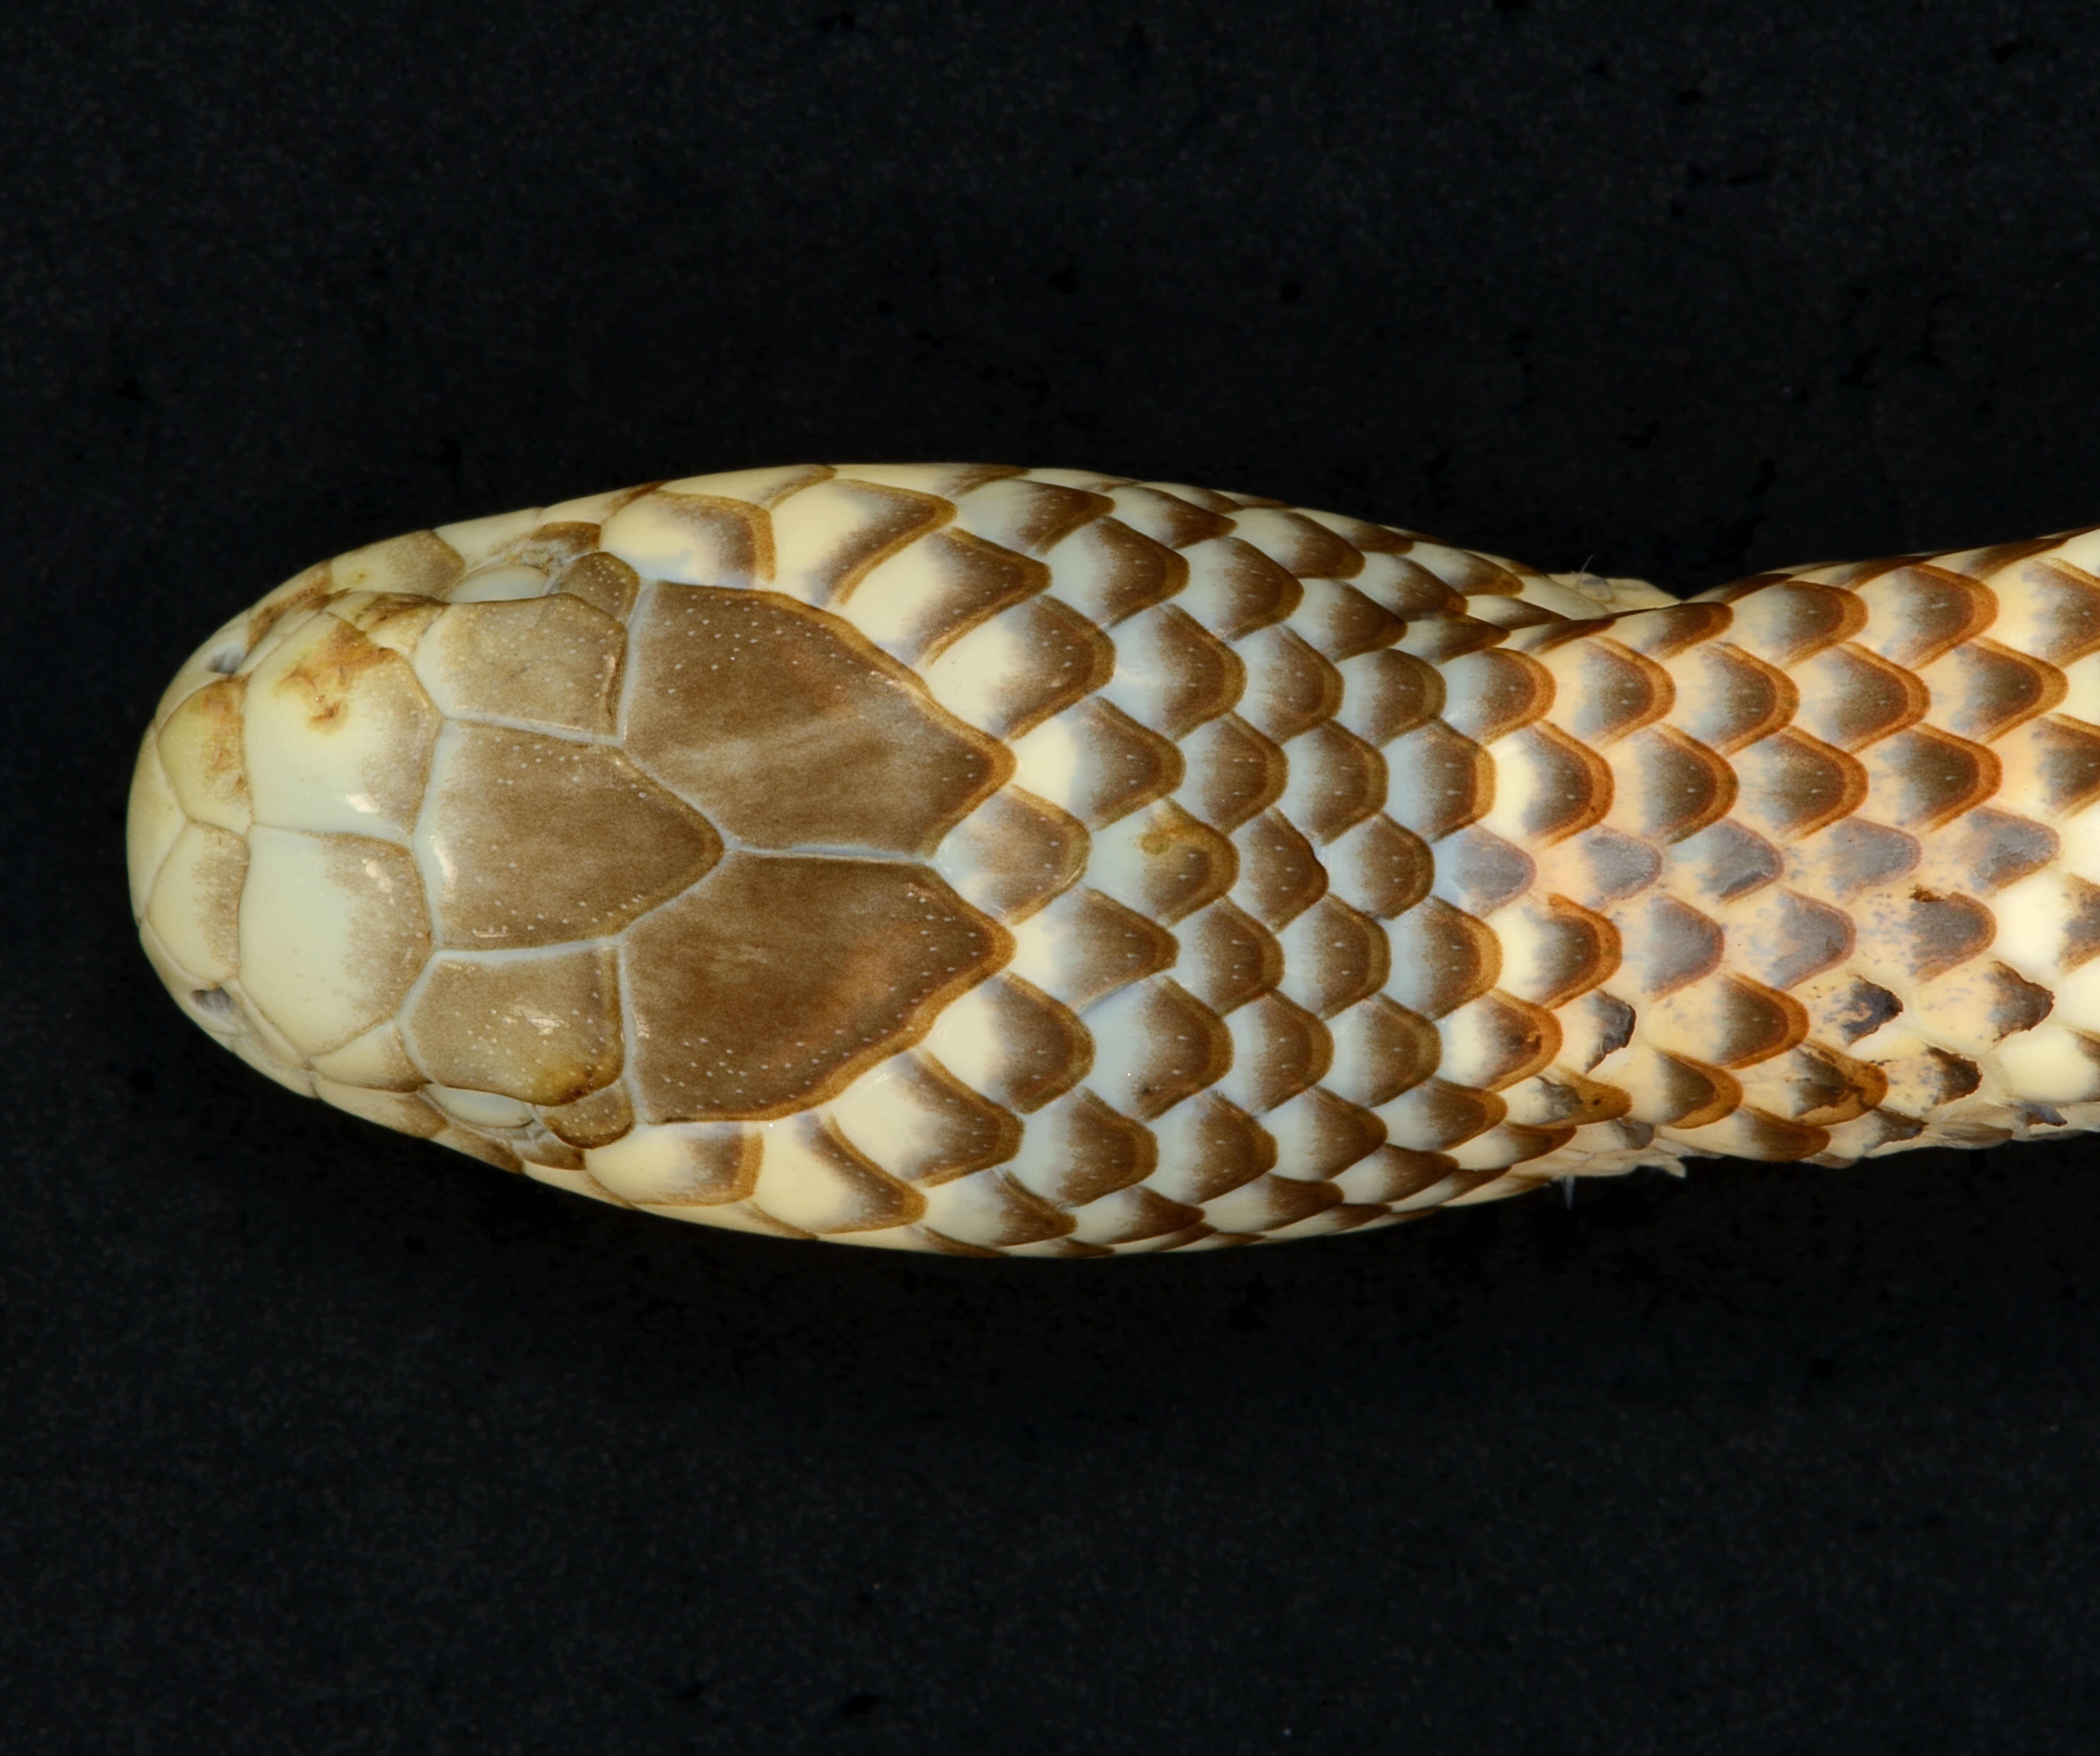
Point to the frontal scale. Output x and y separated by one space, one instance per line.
1048 864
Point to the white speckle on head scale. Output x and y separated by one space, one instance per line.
1056 864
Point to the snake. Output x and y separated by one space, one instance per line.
1040 863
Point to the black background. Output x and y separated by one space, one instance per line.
319 1440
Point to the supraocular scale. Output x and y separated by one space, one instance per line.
1040 863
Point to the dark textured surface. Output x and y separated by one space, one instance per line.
320 1440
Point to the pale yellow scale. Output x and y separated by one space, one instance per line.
1039 862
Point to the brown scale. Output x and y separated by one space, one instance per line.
1379 868
958 581
1479 870
1412 591
1336 781
1666 786
1171 674
1567 951
1437 780
1171 1047
1914 614
1435 1115
1209 1147
1980 691
1028 517
1781 939
1173 520
1571 784
866 523
1042 1050
1226 957
1230 772
1984 850
788 730
1340 622
1921 778
1319 1135
1790 785
1726 697
586 841
2058 759
1784 623
1181 864
735 988
1603 689
1441 958
1018 851
1440 639
1387 693
1107 572
1721 864
1123 766
605 582
1058 657
1280 876
1728 1021
1600 867
1274 1050
1335 957
1290 688
1077 1150
1103 946
2054 614
1378 1049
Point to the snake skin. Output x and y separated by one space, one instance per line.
1048 864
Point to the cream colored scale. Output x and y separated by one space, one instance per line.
1046 863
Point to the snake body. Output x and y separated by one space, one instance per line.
1048 864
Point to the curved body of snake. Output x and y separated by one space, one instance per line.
1042 862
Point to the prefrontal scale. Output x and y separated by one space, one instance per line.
1040 863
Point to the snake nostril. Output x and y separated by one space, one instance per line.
214 1002
226 659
